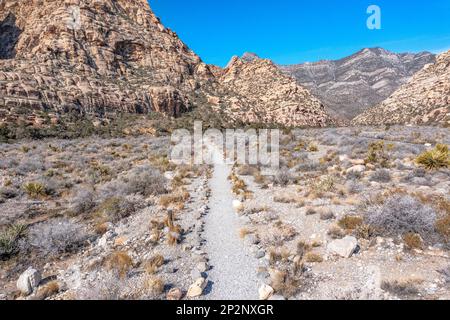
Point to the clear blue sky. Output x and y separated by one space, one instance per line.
294 31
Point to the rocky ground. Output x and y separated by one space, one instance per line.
350 214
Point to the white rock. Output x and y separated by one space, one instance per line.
265 292
196 289
343 247
28 281
358 168
202 267
238 205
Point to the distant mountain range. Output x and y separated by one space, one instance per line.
352 85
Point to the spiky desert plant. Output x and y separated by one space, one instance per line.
436 158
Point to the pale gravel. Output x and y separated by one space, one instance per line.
234 269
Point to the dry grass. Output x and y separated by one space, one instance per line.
154 285
313 257
350 222
413 241
336 233
443 227
120 262
243 232
175 199
48 290
155 262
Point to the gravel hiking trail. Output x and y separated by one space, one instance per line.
233 274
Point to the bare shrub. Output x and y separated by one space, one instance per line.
146 181
82 202
402 214
57 236
283 177
381 175
117 208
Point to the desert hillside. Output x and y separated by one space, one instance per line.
425 99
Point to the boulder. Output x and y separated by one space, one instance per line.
174 294
28 281
343 247
265 292
196 289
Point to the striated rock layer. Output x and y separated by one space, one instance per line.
352 85
92 57
425 99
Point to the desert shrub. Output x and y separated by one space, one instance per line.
287 282
313 148
350 222
381 175
400 214
47 290
354 175
326 214
377 154
434 159
155 262
35 189
109 288
8 193
119 262
354 187
324 184
283 177
400 288
413 240
82 202
9 240
29 165
146 181
336 233
154 285
313 257
247 170
117 208
58 236
443 226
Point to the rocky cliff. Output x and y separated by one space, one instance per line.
425 99
351 85
256 91
92 57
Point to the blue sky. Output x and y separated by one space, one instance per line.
295 31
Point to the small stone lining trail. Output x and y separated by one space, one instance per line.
234 269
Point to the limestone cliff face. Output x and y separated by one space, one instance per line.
425 99
258 92
93 56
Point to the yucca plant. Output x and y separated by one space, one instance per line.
9 238
436 158
35 189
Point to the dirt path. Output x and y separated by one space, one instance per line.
233 274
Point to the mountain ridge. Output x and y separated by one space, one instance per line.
351 85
